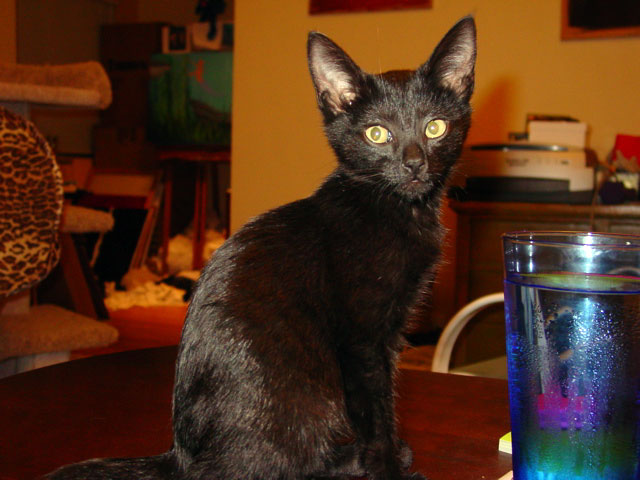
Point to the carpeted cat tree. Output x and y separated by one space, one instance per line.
31 213
74 85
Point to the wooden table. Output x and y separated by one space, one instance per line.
120 405
203 158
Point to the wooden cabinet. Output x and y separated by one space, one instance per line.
479 255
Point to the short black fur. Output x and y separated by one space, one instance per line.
287 357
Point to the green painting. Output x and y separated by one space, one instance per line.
190 99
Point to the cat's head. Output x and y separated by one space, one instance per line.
401 131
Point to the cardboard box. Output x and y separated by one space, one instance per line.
571 134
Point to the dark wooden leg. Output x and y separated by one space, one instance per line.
166 216
199 217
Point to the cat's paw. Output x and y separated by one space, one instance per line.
414 476
405 476
346 463
405 454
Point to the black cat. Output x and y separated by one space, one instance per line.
288 353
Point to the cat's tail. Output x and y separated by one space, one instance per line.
145 468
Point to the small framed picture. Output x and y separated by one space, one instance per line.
600 18
175 39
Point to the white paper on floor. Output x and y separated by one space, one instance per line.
142 287
145 295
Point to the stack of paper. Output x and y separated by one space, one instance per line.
504 445
552 132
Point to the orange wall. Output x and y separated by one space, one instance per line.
8 31
279 152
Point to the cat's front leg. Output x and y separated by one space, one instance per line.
405 454
390 466
369 398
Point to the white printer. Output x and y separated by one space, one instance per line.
527 172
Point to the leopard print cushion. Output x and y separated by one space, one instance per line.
31 198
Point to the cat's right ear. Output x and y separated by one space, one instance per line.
335 76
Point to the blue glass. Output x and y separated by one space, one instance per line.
572 306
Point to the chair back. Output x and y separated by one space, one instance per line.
444 347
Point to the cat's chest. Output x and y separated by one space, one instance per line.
378 248
396 253
382 257
377 280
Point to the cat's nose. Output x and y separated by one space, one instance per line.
413 159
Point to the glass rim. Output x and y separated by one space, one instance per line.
563 238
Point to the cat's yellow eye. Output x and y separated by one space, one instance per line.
378 134
435 128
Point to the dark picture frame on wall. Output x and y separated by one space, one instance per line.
600 18
336 6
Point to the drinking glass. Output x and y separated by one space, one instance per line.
572 308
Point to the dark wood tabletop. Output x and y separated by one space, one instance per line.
120 405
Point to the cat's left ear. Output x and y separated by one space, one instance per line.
453 60
336 77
